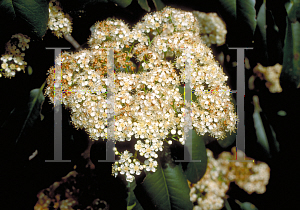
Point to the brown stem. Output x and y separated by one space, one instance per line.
86 155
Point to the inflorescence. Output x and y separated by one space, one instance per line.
213 29
59 22
147 101
13 59
210 191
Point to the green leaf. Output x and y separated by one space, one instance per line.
239 16
196 170
33 111
259 127
226 204
293 10
268 46
273 143
159 5
229 7
122 3
291 55
132 202
167 189
34 12
262 30
229 139
144 5
246 13
246 205
131 207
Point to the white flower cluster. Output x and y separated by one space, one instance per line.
59 23
13 59
251 177
147 102
213 29
210 191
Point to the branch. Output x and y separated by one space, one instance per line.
70 39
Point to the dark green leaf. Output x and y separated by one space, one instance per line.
159 5
229 6
261 23
33 110
196 170
34 12
245 22
293 10
144 5
246 205
291 55
268 46
246 13
239 16
132 202
259 127
273 143
229 139
261 34
226 204
122 3
167 188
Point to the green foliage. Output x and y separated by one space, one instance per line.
274 144
131 207
258 124
196 170
240 18
122 3
242 10
293 10
167 188
159 5
34 107
246 13
33 12
269 143
132 202
229 7
267 40
144 5
226 204
246 205
23 118
291 56
262 30
229 139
